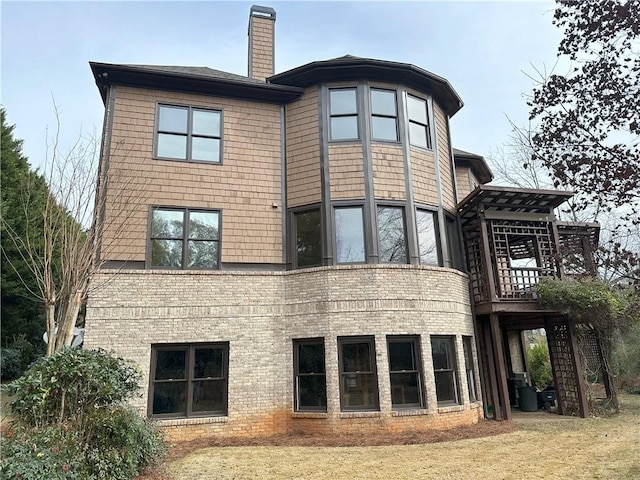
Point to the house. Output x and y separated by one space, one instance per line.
284 252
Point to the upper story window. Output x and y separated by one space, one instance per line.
184 238
343 113
189 133
308 237
384 115
419 134
349 235
392 235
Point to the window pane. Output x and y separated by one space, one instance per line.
427 242
203 225
206 123
402 356
208 396
349 235
454 244
311 358
308 239
312 391
445 386
344 128
343 102
173 119
172 146
209 363
417 110
202 254
383 102
391 236
167 224
442 353
405 389
171 364
359 390
166 253
170 398
383 128
418 135
205 149
356 357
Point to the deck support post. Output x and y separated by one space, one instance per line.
501 368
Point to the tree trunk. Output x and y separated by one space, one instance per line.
51 329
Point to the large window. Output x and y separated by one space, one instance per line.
444 369
468 365
349 235
384 115
427 237
454 244
189 380
310 376
419 134
343 113
184 238
189 133
405 372
308 247
358 378
392 235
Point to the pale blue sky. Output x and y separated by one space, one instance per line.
482 48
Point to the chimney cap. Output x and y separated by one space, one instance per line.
263 12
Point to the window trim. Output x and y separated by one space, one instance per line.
426 126
185 236
297 342
415 339
331 116
189 135
378 115
190 348
370 339
452 368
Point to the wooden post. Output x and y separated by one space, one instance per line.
487 260
497 412
501 368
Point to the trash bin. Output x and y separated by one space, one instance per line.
528 399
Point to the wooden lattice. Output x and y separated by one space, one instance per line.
564 369
589 350
474 259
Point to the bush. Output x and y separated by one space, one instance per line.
540 365
16 357
70 421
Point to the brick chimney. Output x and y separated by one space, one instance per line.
262 22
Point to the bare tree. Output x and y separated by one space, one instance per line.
65 254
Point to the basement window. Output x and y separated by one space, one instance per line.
405 372
310 375
358 376
444 370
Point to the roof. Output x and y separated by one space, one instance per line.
475 162
190 79
510 199
349 67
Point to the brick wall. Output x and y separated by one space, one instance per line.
259 314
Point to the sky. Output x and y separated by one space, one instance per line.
488 51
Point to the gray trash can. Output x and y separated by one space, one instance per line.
528 399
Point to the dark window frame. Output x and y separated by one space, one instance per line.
293 247
296 373
373 371
185 237
343 206
331 115
415 340
405 230
434 214
425 126
190 349
453 369
189 135
469 366
380 115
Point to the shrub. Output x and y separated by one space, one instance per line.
70 421
540 365
16 357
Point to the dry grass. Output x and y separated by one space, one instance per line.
534 446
